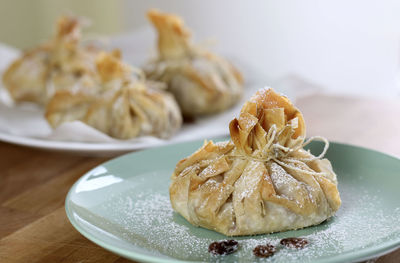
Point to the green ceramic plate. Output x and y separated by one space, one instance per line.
123 206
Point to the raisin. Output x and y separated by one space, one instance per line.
294 242
264 251
223 247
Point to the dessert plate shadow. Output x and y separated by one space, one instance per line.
123 206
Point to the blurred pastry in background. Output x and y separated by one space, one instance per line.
59 64
125 107
202 82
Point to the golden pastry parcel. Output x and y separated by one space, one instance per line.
125 105
260 181
59 64
202 82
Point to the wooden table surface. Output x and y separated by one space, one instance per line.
34 183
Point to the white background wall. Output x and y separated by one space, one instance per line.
345 46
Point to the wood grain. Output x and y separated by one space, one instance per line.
33 223
34 183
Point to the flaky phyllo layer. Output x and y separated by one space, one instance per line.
202 82
260 181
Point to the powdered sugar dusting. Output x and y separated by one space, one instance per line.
146 219
151 223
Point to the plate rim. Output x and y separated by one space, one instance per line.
68 145
93 148
362 254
